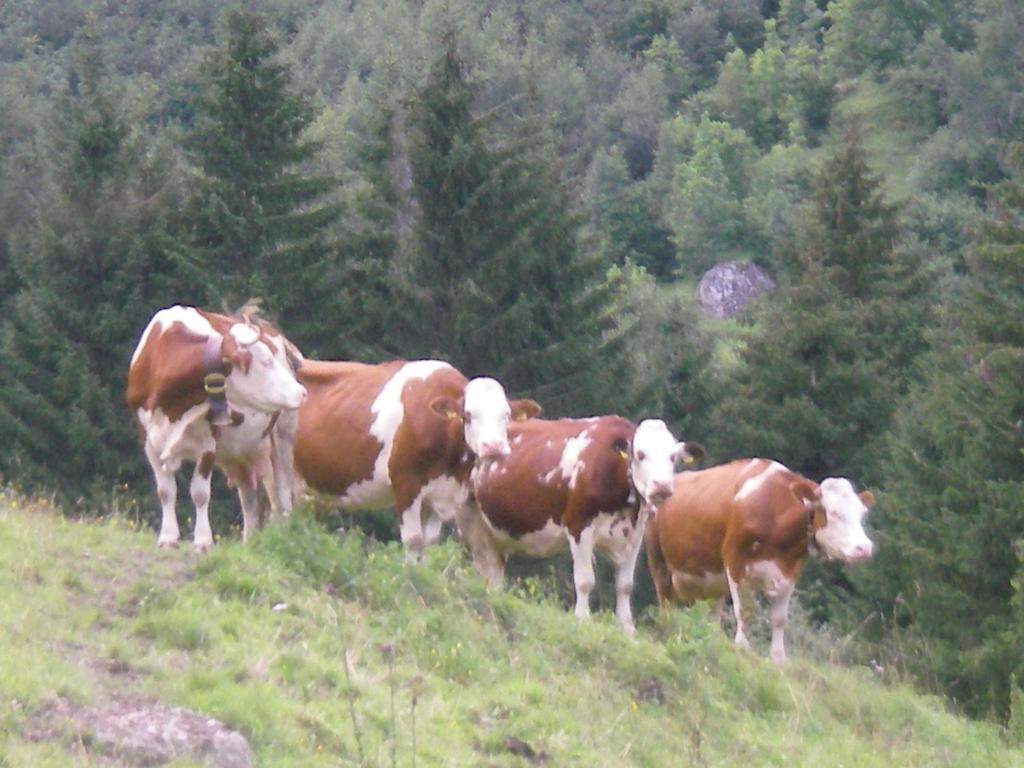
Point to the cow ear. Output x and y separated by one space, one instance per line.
868 498
622 446
242 359
233 355
446 407
805 491
693 452
525 409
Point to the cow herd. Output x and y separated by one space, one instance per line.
422 439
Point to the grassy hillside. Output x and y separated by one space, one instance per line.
329 650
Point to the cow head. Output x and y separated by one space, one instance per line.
261 376
653 459
837 517
485 412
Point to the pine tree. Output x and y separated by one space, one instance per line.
833 350
258 223
89 271
500 286
370 305
950 571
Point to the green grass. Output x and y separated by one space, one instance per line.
328 650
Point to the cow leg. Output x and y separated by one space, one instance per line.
779 613
583 569
737 609
409 495
410 526
167 492
249 498
200 491
474 531
625 570
432 524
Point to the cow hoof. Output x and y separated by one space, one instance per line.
629 629
167 543
202 546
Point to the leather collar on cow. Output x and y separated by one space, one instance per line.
635 501
817 519
215 386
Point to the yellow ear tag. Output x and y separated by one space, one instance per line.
452 415
688 460
624 455
520 416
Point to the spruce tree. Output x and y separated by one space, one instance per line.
832 350
498 282
258 223
370 306
89 272
949 570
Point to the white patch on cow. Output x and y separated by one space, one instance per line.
549 540
445 495
173 442
571 464
550 477
769 577
517 440
706 584
246 439
437 502
750 465
843 536
388 413
616 533
170 437
368 494
654 454
187 316
751 485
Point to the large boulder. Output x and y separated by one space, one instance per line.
143 732
728 287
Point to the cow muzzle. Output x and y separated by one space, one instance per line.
494 450
861 553
659 493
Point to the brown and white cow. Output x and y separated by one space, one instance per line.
184 355
400 434
751 522
577 484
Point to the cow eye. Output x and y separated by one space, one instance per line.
640 456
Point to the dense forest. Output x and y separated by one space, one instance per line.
532 189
